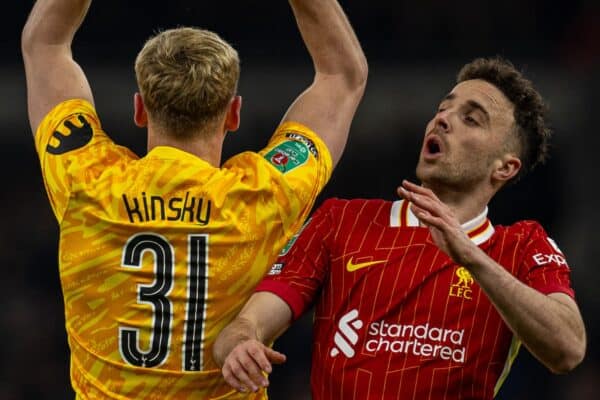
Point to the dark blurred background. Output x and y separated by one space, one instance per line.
414 51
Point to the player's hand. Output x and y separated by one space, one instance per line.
446 231
245 367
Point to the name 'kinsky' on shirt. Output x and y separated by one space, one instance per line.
146 208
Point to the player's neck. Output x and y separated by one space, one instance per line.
207 148
466 205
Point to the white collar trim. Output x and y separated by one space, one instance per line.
479 228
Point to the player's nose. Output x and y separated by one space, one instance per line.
442 121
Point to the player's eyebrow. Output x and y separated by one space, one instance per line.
477 106
472 104
449 96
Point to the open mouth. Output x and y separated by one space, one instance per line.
433 146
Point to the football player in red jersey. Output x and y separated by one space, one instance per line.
424 297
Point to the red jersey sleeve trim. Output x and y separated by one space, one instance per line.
287 293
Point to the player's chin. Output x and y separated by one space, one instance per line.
426 171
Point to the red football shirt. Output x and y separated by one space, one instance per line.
395 317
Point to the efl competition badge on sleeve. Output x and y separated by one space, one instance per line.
292 153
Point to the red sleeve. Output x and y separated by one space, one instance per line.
298 273
546 267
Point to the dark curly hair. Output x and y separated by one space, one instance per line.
530 110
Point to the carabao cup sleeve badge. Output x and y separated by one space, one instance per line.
288 155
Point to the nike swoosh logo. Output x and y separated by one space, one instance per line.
351 267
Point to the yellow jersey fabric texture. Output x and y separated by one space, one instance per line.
157 254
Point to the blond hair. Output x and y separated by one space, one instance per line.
186 77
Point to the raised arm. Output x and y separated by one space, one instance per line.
240 348
329 104
52 74
550 326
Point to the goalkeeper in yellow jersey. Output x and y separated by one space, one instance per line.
157 254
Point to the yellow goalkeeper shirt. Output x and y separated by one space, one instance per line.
157 254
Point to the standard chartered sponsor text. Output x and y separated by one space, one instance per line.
419 340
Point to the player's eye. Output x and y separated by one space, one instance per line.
470 120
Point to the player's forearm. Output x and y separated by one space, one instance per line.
264 317
238 331
551 329
53 23
330 40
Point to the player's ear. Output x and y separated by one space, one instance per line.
139 111
232 118
506 168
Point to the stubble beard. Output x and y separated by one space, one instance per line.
445 176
